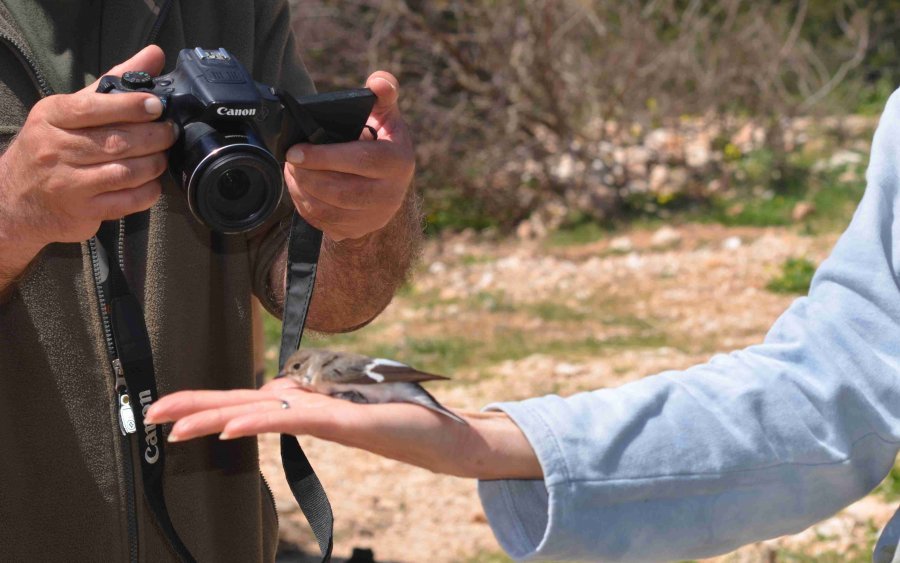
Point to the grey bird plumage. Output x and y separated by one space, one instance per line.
362 379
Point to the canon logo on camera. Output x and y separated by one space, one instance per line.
230 112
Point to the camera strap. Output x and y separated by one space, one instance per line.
132 344
303 256
129 331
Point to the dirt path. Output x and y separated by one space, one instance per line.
514 320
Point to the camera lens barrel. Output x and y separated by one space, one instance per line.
232 182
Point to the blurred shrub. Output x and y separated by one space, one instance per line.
544 110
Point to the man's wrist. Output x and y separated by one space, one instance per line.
15 258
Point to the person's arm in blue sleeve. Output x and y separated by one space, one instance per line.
752 445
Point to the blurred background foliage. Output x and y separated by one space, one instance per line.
541 115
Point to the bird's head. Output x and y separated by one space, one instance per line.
299 366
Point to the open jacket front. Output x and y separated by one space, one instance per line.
71 487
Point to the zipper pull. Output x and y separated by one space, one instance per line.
120 374
126 414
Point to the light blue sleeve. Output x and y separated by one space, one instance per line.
751 445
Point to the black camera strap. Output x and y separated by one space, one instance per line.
303 257
136 356
129 331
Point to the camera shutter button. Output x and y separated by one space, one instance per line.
137 80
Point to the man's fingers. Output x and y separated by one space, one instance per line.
364 158
125 173
90 109
184 403
127 140
337 223
87 108
150 59
114 205
213 421
345 191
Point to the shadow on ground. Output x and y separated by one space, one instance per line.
288 553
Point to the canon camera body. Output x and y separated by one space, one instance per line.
235 132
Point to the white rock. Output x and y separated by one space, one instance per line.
665 238
566 369
843 158
732 243
659 176
621 244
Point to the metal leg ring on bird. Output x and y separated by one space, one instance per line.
285 404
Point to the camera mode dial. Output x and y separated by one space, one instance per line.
137 80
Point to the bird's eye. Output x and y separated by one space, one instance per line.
296 366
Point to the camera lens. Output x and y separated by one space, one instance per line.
233 183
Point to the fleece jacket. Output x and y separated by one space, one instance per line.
70 485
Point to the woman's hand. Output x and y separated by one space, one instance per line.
490 447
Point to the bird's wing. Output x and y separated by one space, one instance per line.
380 370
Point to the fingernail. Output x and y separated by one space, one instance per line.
175 129
174 438
388 82
225 436
295 155
153 106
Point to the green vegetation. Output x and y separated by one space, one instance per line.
889 489
489 557
581 230
857 553
497 338
796 275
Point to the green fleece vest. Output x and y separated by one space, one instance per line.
66 491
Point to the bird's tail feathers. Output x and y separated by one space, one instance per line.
429 402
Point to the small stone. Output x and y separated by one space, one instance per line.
802 210
849 176
665 237
621 245
659 177
732 243
566 369
735 210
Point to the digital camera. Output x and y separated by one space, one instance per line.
235 132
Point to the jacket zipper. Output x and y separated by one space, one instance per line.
45 90
272 498
35 73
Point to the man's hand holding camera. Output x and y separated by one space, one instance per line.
80 159
350 190
87 157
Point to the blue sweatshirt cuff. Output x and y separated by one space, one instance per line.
518 510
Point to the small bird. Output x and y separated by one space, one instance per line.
361 379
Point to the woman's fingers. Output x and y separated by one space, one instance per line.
213 421
296 421
185 403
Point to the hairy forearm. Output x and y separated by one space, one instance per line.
356 279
